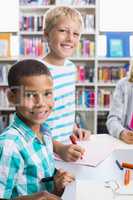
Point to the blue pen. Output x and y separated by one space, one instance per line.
119 165
50 178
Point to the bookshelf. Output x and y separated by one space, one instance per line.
97 76
6 111
9 50
109 71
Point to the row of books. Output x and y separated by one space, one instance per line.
85 73
3 97
85 97
35 23
8 45
111 73
5 119
3 73
75 2
49 2
36 2
31 23
86 48
104 98
33 46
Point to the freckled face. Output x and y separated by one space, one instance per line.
64 38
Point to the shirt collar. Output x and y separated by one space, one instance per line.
23 129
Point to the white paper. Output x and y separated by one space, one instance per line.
96 151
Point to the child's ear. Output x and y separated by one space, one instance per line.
45 34
11 97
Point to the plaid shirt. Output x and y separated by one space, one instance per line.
24 161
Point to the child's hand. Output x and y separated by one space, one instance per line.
39 196
127 136
61 179
71 152
81 134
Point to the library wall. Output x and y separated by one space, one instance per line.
98 73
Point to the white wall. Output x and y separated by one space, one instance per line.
116 15
9 15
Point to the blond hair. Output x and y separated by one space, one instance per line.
52 16
130 79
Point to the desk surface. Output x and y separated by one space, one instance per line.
105 171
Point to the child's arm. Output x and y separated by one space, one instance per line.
127 136
80 133
68 152
61 179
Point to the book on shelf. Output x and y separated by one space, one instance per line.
89 98
3 97
33 46
89 74
101 45
3 74
9 45
75 2
35 2
104 97
85 97
89 22
85 73
116 48
86 48
14 46
131 45
107 73
118 44
31 23
5 44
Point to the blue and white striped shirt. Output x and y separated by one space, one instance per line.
61 121
24 161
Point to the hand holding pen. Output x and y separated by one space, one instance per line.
80 133
74 141
61 178
70 152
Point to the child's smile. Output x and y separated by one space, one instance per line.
64 38
37 99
